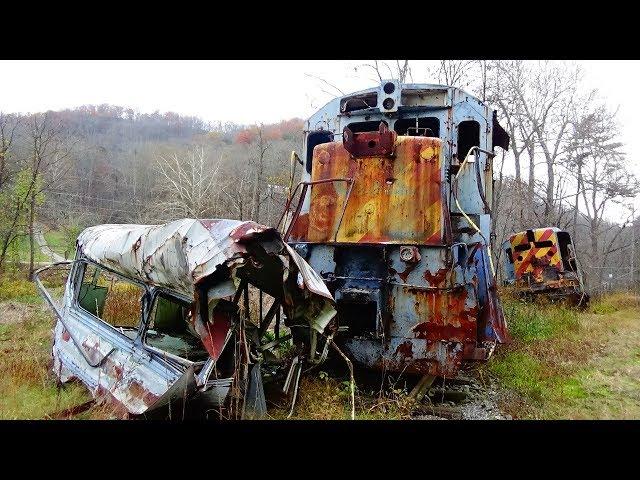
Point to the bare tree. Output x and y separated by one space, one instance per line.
189 183
257 163
596 162
455 73
548 102
48 151
8 125
400 70
501 90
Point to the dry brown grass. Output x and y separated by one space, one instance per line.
27 388
324 398
122 305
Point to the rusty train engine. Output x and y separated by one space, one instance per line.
542 262
393 212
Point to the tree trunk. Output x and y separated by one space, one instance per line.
594 252
575 207
548 208
32 207
255 204
532 181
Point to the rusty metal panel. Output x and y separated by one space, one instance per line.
135 389
408 355
535 257
393 199
368 144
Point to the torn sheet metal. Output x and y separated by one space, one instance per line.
180 254
205 266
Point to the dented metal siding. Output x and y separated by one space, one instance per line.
393 200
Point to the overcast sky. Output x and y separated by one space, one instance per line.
250 91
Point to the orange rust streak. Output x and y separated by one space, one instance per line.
300 228
394 200
444 316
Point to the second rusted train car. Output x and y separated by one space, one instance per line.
394 214
543 261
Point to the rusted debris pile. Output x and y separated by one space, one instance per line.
160 317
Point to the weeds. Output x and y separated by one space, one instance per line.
323 397
551 365
535 321
27 388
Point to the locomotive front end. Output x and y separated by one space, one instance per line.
382 219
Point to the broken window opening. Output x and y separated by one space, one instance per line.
314 139
359 102
567 252
468 137
111 298
360 318
543 244
170 329
423 127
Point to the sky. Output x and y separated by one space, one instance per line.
247 92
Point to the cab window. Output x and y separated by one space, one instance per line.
170 328
111 298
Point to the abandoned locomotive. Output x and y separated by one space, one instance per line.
543 261
393 211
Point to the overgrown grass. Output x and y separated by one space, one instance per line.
19 289
56 240
537 321
15 286
27 388
553 367
322 397
613 302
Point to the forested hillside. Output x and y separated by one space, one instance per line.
108 164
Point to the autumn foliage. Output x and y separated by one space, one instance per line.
276 131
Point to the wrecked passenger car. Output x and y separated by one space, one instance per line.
155 316
542 261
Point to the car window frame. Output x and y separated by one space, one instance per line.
97 321
154 293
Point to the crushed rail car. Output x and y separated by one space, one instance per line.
543 261
393 211
150 315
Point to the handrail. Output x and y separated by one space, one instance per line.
305 186
471 222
